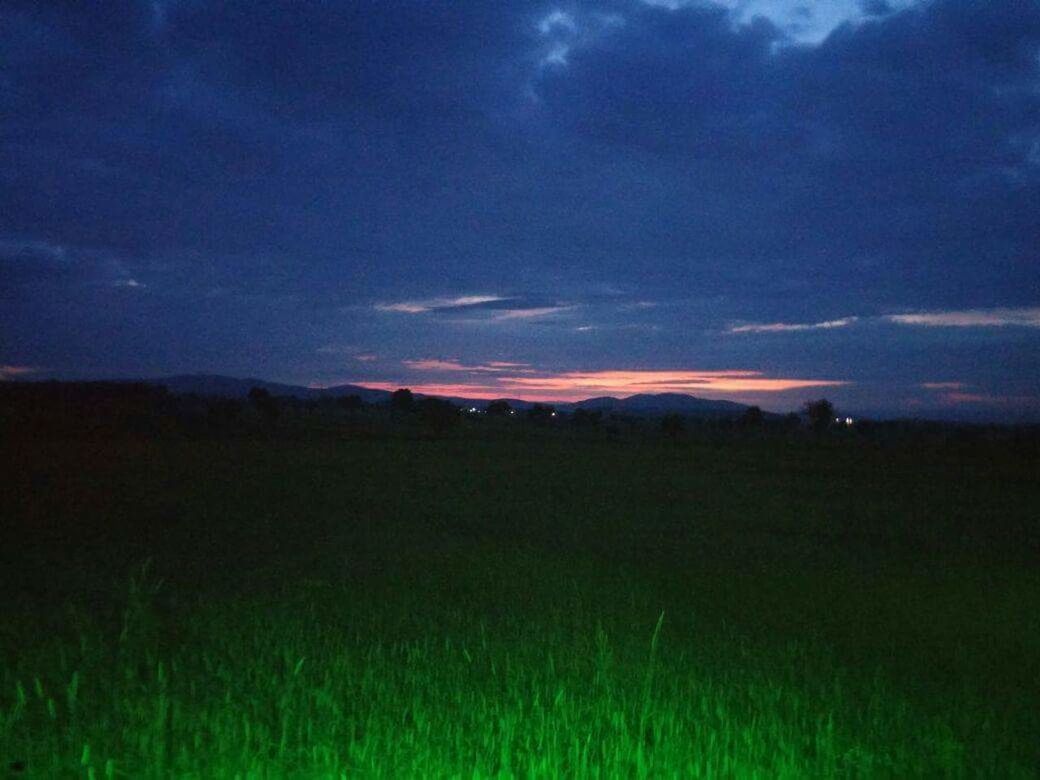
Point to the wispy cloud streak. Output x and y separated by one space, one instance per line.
1028 317
478 308
971 318
987 399
525 314
791 327
429 364
438 304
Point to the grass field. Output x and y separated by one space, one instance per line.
539 608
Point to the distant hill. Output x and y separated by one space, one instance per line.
664 403
644 404
233 387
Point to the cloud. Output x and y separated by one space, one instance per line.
430 364
556 19
971 318
530 313
645 327
689 150
405 307
578 385
37 261
31 260
32 251
801 22
854 143
14 372
349 350
788 327
481 308
649 381
942 385
561 31
986 399
966 318
439 304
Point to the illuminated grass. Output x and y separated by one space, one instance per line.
325 682
444 642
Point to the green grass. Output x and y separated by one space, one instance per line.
549 608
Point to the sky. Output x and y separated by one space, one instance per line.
763 201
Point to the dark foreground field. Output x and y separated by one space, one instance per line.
549 607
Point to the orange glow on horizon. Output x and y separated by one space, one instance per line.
12 372
579 385
484 392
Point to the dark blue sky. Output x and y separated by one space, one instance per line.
747 200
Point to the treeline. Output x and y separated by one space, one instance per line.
72 409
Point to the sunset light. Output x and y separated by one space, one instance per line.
577 385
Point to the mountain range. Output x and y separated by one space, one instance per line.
642 404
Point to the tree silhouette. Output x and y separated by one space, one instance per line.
402 400
752 417
499 409
820 414
540 413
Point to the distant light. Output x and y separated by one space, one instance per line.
848 421
553 414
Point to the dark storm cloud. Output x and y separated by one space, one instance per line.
892 152
612 184
30 264
206 117
26 260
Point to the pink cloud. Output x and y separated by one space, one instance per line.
576 385
435 388
647 381
435 365
968 398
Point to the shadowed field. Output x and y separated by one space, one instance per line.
768 608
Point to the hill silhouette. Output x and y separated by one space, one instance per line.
642 404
